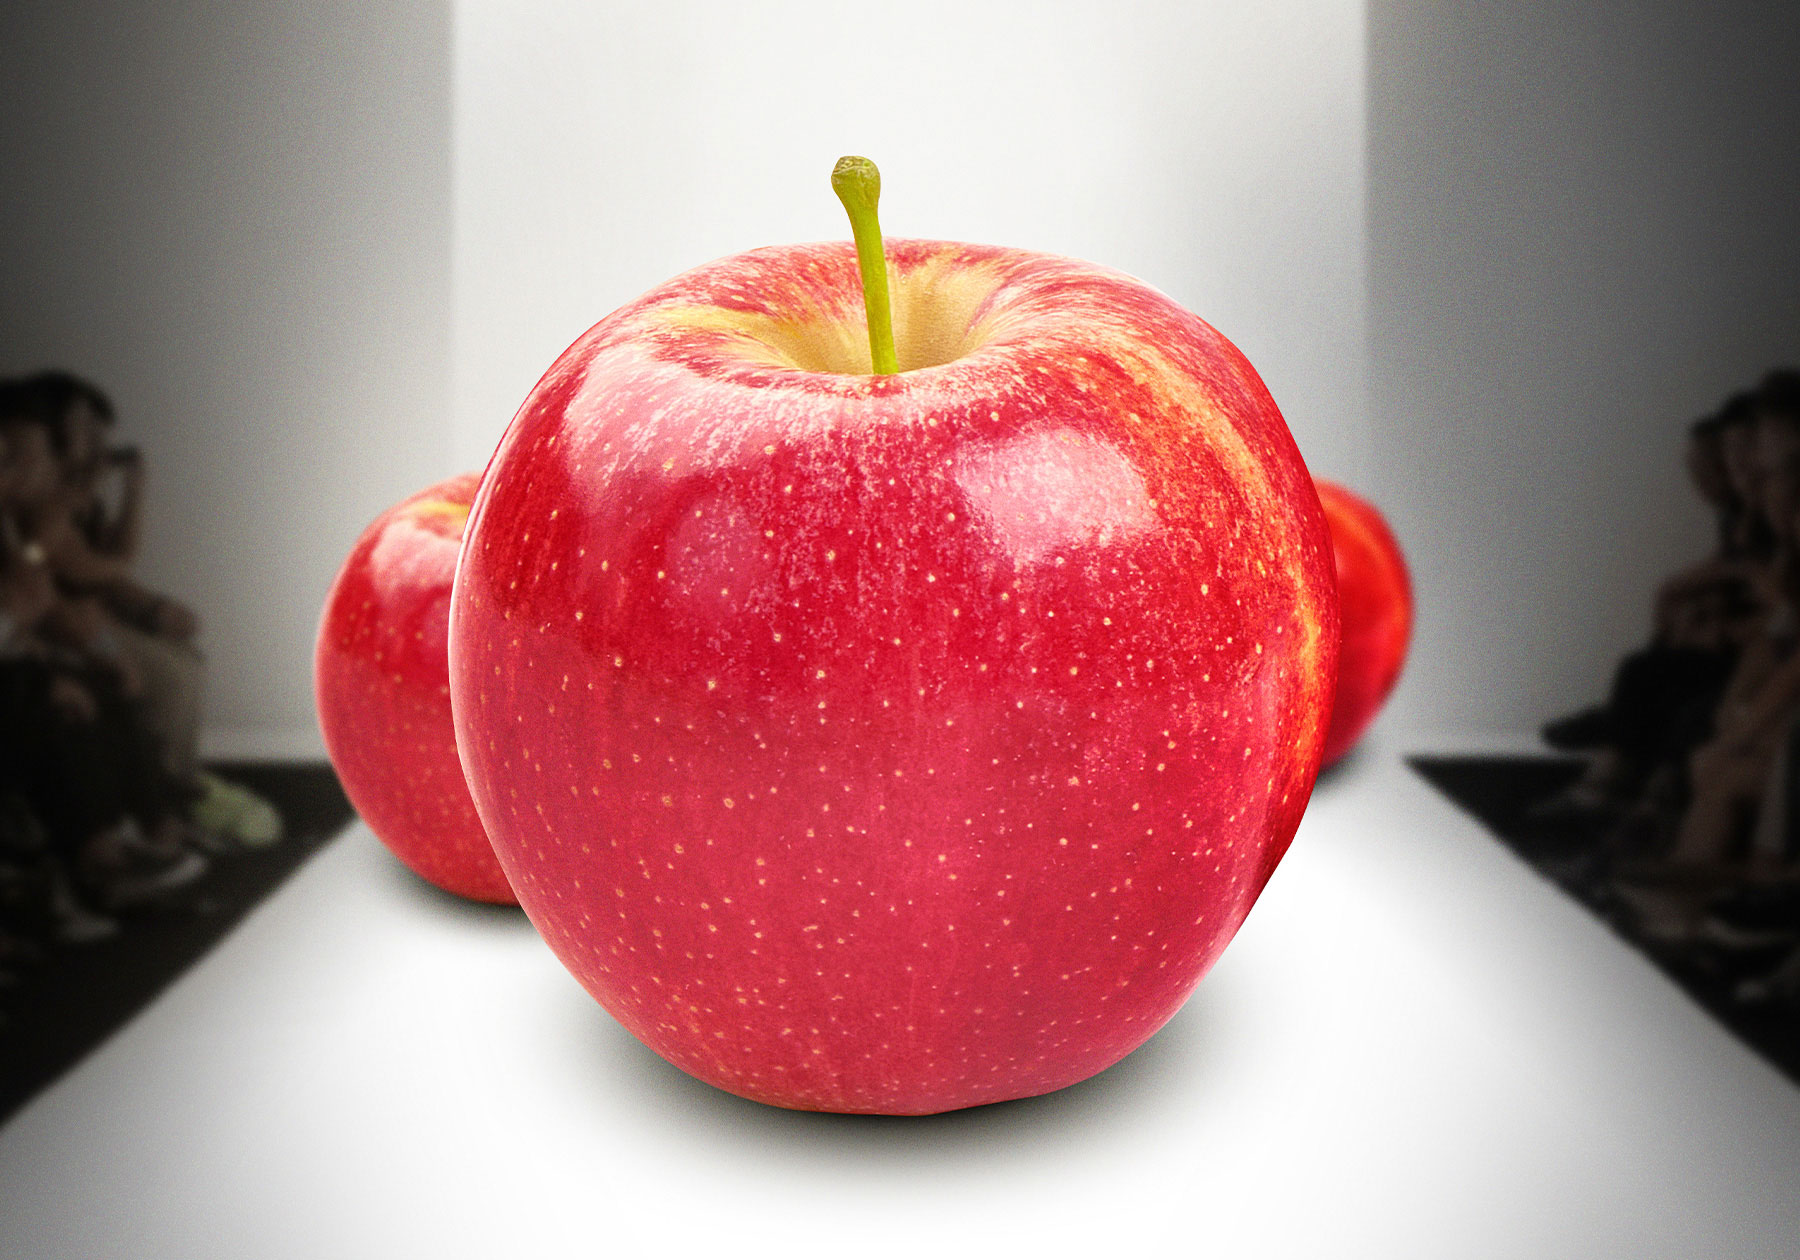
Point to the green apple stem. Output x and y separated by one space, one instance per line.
858 185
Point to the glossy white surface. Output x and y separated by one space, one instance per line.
1414 1049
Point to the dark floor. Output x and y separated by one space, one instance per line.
1759 927
66 1002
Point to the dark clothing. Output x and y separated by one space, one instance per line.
1660 710
79 776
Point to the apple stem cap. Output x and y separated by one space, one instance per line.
857 184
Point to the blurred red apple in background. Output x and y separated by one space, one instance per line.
1376 613
381 679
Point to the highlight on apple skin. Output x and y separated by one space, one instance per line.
894 743
381 683
1376 612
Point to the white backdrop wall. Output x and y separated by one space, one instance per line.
1578 235
235 219
1212 149
1582 235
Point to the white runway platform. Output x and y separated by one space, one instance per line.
1415 1048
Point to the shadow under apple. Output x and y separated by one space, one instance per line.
417 893
1098 1111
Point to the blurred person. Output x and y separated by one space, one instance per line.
146 638
1722 462
1663 696
1755 723
70 760
91 546
106 534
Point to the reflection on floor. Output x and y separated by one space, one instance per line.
1736 956
65 1001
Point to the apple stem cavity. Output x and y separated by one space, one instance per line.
858 185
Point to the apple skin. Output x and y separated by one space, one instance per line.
382 685
1375 611
894 744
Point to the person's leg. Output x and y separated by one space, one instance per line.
174 677
45 754
109 787
1770 836
1726 787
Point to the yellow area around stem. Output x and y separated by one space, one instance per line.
936 313
439 510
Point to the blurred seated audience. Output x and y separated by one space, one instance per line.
1664 695
1693 773
104 806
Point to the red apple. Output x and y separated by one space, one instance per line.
1376 611
381 678
894 743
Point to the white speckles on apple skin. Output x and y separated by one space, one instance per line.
933 733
